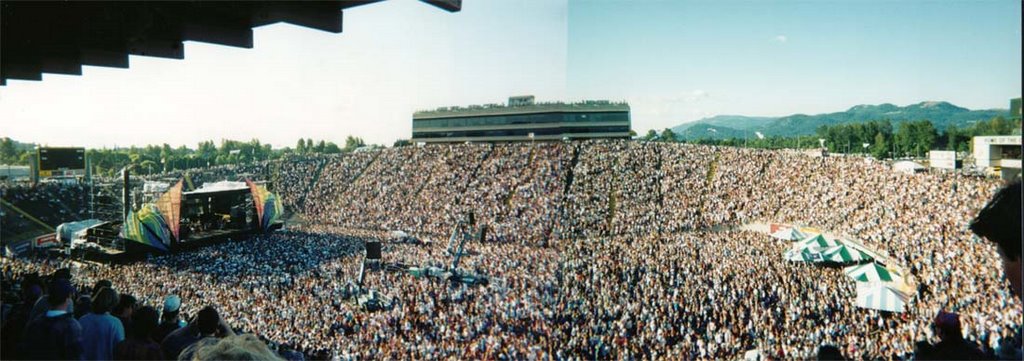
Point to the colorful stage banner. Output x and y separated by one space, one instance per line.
268 206
147 226
169 205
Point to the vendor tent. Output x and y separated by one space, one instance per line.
908 167
844 254
815 243
803 255
789 234
873 272
882 297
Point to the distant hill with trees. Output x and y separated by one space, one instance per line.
880 138
941 115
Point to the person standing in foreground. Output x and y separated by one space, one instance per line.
208 324
999 222
171 318
101 330
56 334
139 345
953 346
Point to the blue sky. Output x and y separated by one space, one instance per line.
674 61
677 60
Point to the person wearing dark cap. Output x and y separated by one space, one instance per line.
999 222
54 335
953 346
207 324
171 318
42 305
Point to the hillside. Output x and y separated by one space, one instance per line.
942 114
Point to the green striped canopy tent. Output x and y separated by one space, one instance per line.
873 272
789 234
804 255
878 296
816 243
844 254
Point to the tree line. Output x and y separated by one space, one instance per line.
879 138
162 158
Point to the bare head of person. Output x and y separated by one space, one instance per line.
999 222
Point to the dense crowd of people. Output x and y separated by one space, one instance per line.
50 203
596 249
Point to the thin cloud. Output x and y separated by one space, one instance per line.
780 39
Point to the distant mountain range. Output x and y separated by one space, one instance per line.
941 114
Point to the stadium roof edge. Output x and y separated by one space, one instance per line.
59 37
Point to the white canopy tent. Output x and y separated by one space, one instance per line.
908 167
816 243
878 296
789 234
873 272
844 254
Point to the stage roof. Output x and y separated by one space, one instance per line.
222 186
60 36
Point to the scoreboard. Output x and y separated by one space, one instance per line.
56 162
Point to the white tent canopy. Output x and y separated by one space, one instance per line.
873 272
844 254
882 297
908 167
816 243
789 234
803 255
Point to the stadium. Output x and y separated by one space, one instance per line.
632 238
518 231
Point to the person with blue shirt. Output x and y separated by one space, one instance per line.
101 330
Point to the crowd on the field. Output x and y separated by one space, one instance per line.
595 249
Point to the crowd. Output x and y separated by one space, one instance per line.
55 315
50 203
598 249
292 180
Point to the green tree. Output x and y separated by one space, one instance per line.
880 147
401 143
651 135
353 143
148 165
8 154
668 135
